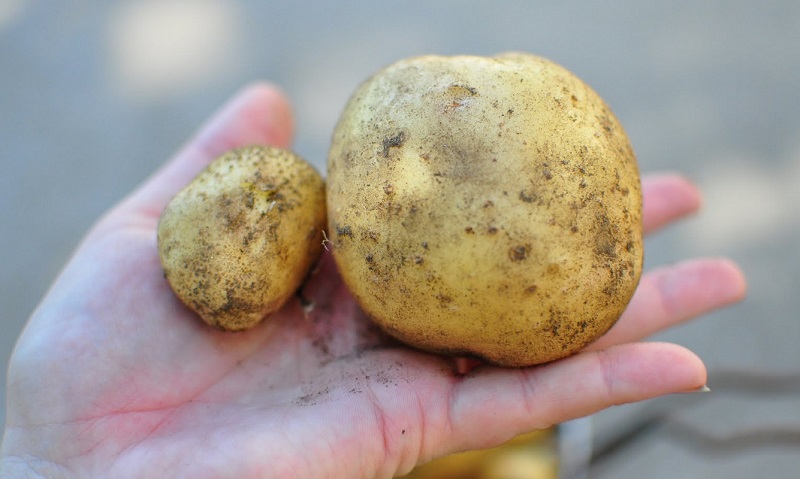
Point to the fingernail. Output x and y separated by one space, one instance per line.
702 389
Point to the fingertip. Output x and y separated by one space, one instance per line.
735 279
666 197
258 114
686 371
676 181
277 117
635 372
719 281
691 194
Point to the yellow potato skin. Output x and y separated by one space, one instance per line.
239 240
485 206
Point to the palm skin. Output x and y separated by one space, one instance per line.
113 377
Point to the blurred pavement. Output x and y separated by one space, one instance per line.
94 95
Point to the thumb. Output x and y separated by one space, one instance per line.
258 114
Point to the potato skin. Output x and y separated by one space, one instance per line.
485 206
238 241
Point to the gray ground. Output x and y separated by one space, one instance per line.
95 95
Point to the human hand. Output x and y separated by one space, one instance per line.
113 377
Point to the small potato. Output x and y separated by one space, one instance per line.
238 241
488 207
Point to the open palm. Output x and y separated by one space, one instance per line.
113 377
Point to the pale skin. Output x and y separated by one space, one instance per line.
113 377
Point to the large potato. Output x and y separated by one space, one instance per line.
237 242
485 206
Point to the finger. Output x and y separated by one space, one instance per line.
258 114
502 403
667 197
671 295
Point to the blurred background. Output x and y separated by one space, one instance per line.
94 95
